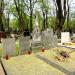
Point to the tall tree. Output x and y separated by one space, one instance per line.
61 13
1 14
30 6
20 11
45 10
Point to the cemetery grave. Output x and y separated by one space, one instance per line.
9 47
37 37
66 41
49 40
46 61
69 45
65 37
73 35
28 65
24 44
56 60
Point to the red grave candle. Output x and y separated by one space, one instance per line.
43 49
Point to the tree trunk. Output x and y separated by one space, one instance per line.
44 26
1 25
68 16
1 14
31 14
46 19
20 18
60 16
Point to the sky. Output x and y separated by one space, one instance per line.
72 5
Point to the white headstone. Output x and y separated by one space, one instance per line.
24 43
65 37
9 46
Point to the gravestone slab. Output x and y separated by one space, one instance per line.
55 41
29 65
73 35
9 46
65 37
67 66
24 43
47 38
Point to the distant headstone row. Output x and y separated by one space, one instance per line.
39 40
45 39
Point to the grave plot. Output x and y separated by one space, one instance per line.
66 40
73 35
69 45
54 58
49 40
28 65
9 47
24 44
65 37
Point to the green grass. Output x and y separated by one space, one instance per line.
1 49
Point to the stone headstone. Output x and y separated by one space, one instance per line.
65 37
47 38
73 35
9 46
55 41
24 43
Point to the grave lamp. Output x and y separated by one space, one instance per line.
42 49
30 51
6 57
